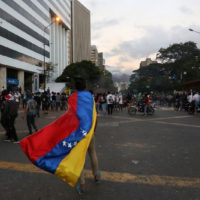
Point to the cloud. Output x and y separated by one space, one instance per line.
105 24
127 55
186 10
155 37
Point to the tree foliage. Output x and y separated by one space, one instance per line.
95 77
179 63
176 52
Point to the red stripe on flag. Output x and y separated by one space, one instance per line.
40 143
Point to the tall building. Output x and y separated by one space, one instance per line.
80 32
147 62
30 36
94 55
101 61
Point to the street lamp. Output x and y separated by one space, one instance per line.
193 30
57 19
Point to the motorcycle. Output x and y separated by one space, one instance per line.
132 110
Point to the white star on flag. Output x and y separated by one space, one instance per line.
64 143
84 132
75 143
69 145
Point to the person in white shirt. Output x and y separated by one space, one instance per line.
110 101
196 99
189 98
120 102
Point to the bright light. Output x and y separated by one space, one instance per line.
58 19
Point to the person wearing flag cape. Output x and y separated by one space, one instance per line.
60 148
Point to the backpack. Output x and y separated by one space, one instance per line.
32 107
110 99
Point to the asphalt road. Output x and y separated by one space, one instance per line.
141 158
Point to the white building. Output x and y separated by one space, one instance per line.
94 55
29 36
121 86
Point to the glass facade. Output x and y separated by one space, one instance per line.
28 35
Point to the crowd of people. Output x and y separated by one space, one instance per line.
106 103
181 101
32 104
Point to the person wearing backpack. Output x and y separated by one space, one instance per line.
30 113
110 102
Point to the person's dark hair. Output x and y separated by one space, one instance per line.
4 92
80 83
29 95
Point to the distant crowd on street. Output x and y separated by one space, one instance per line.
180 101
106 103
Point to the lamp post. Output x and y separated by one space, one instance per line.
57 19
193 30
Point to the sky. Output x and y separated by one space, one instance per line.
129 31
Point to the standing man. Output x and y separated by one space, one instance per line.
110 102
30 113
9 112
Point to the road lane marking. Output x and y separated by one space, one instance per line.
177 124
153 119
175 117
153 180
108 124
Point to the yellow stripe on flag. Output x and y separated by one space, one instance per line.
72 165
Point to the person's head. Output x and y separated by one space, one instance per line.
80 83
29 95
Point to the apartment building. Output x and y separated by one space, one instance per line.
29 37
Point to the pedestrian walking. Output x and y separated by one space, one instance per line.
30 113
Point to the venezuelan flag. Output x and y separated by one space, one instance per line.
60 148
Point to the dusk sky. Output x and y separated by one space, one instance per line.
129 31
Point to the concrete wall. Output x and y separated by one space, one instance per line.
3 75
81 33
21 79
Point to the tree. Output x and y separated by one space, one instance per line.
179 63
177 52
105 82
85 69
